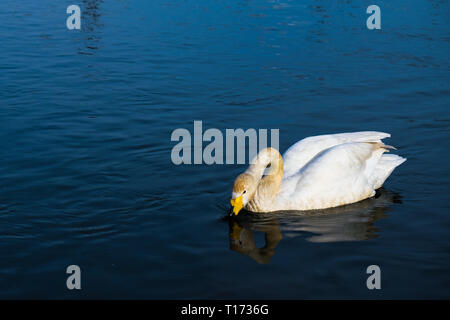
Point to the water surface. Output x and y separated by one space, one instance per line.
86 174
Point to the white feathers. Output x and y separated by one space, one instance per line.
304 150
332 170
384 168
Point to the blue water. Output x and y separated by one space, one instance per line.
86 176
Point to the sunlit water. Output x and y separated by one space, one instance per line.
87 179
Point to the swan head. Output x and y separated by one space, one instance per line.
243 190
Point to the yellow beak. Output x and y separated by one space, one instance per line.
237 205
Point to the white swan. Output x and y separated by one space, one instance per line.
318 172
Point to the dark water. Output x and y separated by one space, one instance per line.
86 174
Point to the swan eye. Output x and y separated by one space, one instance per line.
244 191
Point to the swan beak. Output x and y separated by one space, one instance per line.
237 205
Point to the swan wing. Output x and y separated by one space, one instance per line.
304 150
336 176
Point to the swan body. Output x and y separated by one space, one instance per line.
317 172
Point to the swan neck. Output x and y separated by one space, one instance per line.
267 157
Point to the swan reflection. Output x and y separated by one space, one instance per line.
354 222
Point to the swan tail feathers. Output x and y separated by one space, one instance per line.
381 145
384 168
388 147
